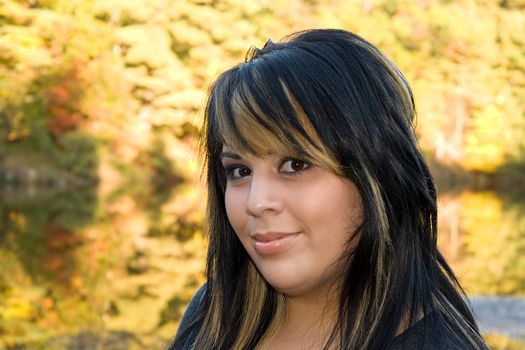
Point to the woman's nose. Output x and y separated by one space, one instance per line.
263 197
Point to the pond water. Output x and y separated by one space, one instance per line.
86 269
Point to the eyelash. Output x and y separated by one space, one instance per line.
305 166
231 169
234 167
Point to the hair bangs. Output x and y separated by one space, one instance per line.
269 120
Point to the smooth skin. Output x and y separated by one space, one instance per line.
319 210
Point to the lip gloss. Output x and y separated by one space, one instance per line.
276 245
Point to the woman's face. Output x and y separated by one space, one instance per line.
294 219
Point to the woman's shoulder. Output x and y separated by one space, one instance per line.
187 331
429 334
193 306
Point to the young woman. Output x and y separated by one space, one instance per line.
321 210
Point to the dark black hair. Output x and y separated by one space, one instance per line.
336 100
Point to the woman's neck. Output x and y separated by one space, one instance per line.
307 324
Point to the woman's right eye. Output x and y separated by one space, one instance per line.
237 172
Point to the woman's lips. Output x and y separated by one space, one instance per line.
273 242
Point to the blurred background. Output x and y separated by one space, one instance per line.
101 203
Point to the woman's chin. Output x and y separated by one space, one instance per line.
289 286
283 283
293 286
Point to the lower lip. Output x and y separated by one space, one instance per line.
275 246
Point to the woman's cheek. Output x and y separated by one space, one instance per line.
234 207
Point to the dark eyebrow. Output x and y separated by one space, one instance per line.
230 155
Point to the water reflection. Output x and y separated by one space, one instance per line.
74 266
483 236
124 268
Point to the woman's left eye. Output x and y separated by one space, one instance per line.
293 166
